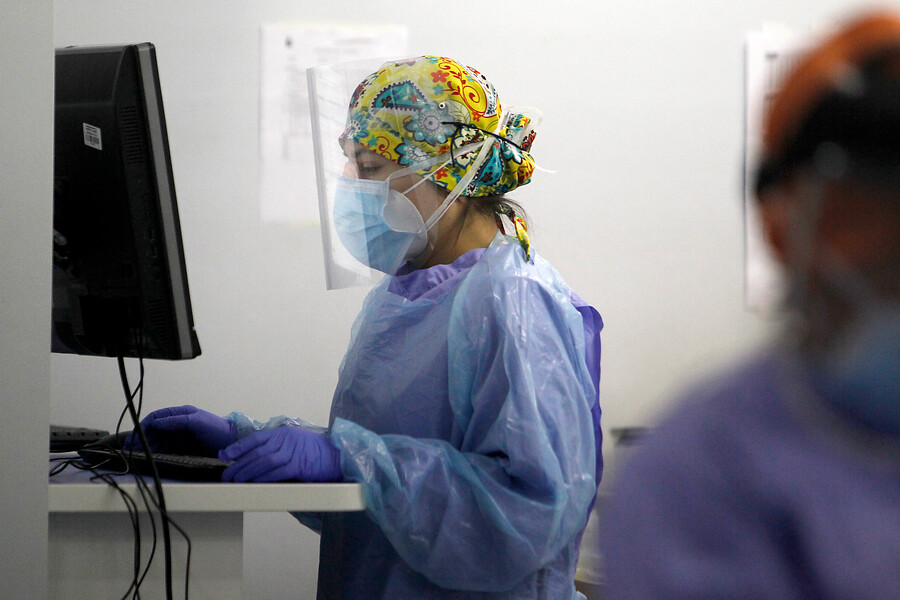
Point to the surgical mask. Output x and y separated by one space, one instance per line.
859 372
379 226
861 375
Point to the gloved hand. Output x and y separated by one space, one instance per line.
185 430
281 454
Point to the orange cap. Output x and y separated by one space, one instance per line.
820 71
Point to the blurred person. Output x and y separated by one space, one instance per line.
467 403
781 478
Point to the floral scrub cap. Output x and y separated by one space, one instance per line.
413 110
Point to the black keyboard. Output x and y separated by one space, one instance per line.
107 454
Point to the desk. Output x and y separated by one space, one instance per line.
91 540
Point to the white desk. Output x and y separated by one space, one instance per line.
91 539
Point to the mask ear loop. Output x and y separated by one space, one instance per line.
451 197
485 146
463 183
457 190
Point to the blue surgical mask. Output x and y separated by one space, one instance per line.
861 373
379 226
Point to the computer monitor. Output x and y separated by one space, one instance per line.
120 286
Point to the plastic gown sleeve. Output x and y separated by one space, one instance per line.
484 516
246 426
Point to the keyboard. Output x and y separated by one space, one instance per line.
107 454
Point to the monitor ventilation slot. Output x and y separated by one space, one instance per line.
132 140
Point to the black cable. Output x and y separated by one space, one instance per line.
139 575
145 493
165 518
130 506
160 497
134 515
148 499
62 463
137 392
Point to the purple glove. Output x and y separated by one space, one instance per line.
185 430
281 454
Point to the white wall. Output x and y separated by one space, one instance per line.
26 129
643 122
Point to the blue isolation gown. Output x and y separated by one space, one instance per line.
756 488
466 409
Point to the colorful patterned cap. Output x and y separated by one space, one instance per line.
413 110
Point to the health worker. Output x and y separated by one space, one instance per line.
467 403
780 479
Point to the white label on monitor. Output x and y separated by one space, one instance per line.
92 136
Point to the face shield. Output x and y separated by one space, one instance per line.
846 261
842 252
395 144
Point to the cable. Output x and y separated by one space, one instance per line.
147 496
138 392
149 502
141 485
160 497
133 514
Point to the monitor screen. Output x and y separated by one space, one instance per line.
120 286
